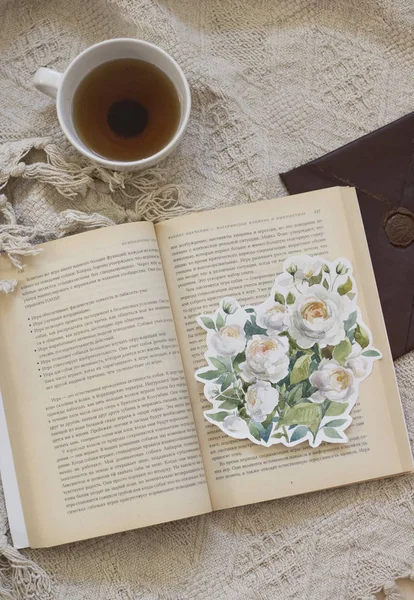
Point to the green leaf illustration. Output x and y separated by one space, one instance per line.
371 353
209 375
335 409
230 403
218 364
279 298
254 431
219 417
351 335
251 329
269 418
351 295
316 279
300 369
249 310
305 413
361 336
336 423
350 322
295 395
299 433
314 427
229 393
325 268
342 351
207 322
240 358
219 321
290 298
332 433
325 284
278 435
227 381
345 287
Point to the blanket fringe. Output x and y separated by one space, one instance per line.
154 198
17 241
6 210
71 221
392 591
166 201
78 175
27 579
7 286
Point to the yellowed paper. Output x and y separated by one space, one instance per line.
95 396
237 252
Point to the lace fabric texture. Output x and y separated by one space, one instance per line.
274 84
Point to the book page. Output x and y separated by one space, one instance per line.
237 252
94 392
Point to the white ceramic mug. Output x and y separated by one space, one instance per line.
62 86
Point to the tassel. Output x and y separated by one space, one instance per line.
17 241
71 178
156 199
7 211
74 177
392 591
70 221
157 205
11 154
28 581
7 286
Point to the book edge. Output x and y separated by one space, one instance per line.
11 489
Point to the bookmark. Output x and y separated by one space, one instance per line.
288 371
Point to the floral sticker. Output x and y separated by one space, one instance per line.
288 370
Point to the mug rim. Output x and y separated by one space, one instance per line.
142 162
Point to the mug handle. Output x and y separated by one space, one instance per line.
47 81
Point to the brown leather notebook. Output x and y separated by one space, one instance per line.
380 166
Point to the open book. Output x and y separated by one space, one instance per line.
99 347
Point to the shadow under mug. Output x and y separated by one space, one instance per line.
62 87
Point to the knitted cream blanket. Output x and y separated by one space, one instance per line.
274 84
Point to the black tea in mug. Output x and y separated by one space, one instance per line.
126 109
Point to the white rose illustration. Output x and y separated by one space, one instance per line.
228 341
261 400
272 316
303 267
266 358
358 365
318 316
229 305
333 382
235 426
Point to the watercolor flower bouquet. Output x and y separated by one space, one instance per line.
288 370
